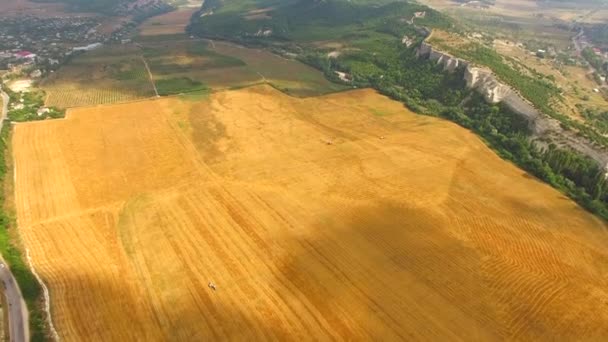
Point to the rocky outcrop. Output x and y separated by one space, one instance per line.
449 63
485 82
424 50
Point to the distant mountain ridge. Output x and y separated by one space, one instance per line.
115 7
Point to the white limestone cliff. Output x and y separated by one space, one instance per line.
494 91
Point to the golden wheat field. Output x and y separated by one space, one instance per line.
336 217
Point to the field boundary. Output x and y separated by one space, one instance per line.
46 296
11 249
150 75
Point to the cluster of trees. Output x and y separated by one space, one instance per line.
596 61
599 119
28 105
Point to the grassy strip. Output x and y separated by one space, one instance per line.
179 85
31 290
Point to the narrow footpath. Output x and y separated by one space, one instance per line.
150 76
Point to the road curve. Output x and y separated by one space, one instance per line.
17 310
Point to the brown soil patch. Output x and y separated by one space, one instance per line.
405 227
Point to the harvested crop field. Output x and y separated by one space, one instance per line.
169 23
337 217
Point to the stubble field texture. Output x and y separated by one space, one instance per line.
337 217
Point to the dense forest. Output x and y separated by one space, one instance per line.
378 58
309 20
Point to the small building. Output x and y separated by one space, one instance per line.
24 55
87 47
597 51
36 73
344 77
42 111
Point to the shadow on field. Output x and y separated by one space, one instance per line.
386 272
375 273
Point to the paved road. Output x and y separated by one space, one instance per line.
17 311
577 43
576 40
18 329
4 106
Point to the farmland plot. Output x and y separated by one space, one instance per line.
167 24
108 75
222 65
315 218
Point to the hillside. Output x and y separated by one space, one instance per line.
307 20
115 7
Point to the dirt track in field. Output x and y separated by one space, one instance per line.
404 227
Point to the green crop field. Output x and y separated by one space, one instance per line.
220 65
